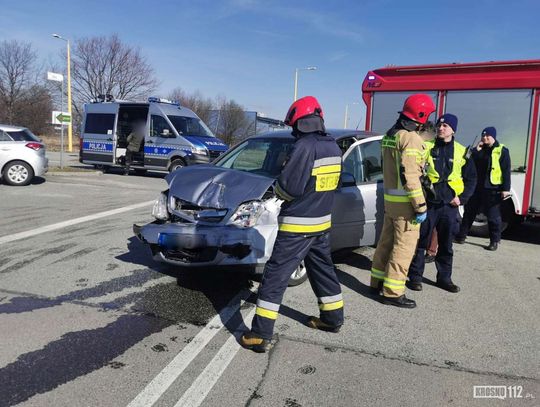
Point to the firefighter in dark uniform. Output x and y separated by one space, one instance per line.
453 177
306 184
492 161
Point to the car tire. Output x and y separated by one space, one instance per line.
177 164
18 173
298 276
480 226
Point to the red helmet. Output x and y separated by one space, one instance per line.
418 107
305 106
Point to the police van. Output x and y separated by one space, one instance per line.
174 135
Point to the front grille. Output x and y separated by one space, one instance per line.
191 255
214 154
187 212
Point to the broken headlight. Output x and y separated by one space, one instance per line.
247 214
159 210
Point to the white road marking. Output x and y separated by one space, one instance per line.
195 395
155 389
60 225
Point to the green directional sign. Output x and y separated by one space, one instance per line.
64 118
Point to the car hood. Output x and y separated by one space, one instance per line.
208 186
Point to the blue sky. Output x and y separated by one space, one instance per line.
248 50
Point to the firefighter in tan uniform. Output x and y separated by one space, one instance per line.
404 202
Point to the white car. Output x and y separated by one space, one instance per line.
22 155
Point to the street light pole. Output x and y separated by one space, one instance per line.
347 114
70 124
309 68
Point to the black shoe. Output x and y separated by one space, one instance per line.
429 259
401 302
254 342
459 240
411 285
376 290
450 287
316 323
492 246
126 172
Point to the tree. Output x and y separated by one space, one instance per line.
17 69
195 101
232 122
106 66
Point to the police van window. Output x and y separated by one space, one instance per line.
159 127
353 165
371 161
99 123
190 126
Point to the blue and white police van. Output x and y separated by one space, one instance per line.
174 135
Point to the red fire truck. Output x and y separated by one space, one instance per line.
502 94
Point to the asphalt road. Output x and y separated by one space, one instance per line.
88 319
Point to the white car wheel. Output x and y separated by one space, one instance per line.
298 276
18 173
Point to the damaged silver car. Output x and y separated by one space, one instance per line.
224 214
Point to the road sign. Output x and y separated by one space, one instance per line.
60 117
55 77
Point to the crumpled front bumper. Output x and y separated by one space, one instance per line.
190 245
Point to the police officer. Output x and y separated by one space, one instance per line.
492 161
404 202
453 177
134 140
306 184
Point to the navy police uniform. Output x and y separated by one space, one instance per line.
451 174
307 184
493 168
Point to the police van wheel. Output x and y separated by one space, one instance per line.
176 164
298 276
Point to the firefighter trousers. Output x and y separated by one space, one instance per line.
289 251
395 250
444 218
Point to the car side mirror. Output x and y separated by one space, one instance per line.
347 180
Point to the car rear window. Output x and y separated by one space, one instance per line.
22 135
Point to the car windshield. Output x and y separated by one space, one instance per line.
190 126
22 135
262 156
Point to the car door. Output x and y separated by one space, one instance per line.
359 207
6 147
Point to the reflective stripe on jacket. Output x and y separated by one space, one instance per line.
455 179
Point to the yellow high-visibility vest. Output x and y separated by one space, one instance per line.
455 180
495 174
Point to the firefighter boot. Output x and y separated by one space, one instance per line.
250 340
401 301
376 290
316 323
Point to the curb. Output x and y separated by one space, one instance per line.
73 173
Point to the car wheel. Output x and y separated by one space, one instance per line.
480 226
18 173
298 276
176 164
